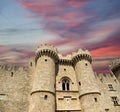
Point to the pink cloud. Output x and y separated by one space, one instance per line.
3 48
77 3
109 51
60 18
14 54
41 7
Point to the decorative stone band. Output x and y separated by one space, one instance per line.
39 91
79 57
46 52
89 93
65 62
70 110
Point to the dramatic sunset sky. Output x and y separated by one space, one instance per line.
67 24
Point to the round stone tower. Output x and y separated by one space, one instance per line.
115 68
88 88
42 98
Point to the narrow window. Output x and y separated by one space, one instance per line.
79 84
64 69
11 74
95 99
110 87
45 97
65 85
86 64
45 59
115 101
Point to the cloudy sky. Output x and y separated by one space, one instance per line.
67 24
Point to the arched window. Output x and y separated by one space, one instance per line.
65 85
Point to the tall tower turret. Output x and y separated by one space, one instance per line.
42 98
88 88
115 68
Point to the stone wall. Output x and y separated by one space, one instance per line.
106 102
14 89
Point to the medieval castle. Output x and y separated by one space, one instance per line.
54 83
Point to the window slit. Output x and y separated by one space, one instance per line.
67 86
63 86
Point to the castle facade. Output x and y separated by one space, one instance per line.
54 83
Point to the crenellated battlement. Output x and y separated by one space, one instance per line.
47 50
115 65
104 76
13 68
51 51
68 57
65 60
81 54
81 51
115 68
46 47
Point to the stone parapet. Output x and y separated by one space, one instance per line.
46 46
13 68
47 50
81 54
115 65
65 60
